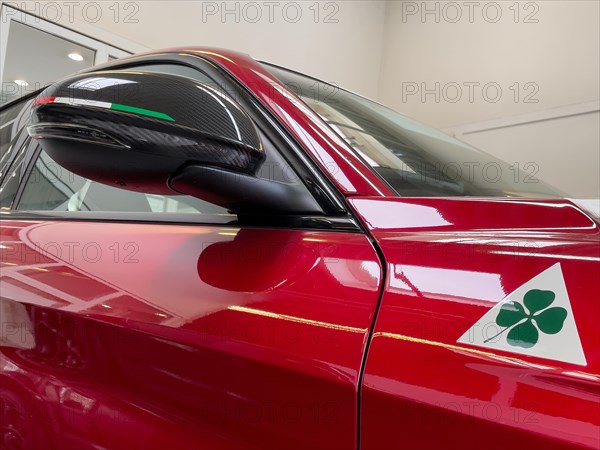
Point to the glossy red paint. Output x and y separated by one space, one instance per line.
448 262
132 335
232 338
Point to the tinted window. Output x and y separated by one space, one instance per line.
51 187
413 159
12 122
14 174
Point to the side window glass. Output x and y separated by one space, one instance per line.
12 122
51 187
14 174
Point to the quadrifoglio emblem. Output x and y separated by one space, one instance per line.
536 320
524 321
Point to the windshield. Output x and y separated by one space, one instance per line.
415 160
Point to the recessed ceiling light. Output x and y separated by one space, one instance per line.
75 56
22 82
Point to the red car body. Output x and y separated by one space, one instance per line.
158 335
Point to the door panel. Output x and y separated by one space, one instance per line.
124 335
449 261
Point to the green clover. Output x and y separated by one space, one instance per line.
524 325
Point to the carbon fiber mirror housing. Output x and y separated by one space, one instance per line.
136 130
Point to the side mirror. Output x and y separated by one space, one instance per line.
158 133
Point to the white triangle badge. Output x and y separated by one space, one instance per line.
535 320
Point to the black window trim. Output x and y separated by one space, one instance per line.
299 222
337 215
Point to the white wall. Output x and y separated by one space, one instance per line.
336 41
554 46
559 54
559 145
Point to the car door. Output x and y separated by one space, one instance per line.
136 320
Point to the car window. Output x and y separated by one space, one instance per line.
12 121
15 172
51 187
414 160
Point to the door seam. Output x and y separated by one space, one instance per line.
384 277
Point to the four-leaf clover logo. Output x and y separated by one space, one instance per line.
525 321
